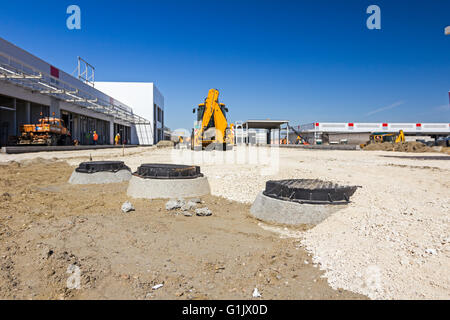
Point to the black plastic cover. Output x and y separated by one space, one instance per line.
311 191
101 166
168 171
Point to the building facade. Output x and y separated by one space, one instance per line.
147 101
31 88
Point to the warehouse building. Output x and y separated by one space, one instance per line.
31 88
356 133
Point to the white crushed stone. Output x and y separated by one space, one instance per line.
377 245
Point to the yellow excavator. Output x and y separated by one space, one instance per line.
379 137
211 130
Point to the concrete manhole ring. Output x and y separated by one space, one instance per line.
168 181
168 171
300 201
100 172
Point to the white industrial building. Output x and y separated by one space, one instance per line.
146 100
31 88
358 132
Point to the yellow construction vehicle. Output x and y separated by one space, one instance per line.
211 130
48 131
379 137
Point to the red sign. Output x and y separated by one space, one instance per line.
54 72
385 124
350 124
317 124
418 125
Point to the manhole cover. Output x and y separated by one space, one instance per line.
168 171
101 166
309 191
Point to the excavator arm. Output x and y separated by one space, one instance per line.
213 110
400 137
211 99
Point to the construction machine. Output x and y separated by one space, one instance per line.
48 131
380 137
211 130
299 139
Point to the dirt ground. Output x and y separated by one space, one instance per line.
47 227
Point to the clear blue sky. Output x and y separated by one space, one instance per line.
299 60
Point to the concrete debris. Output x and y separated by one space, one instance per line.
203 212
431 251
256 293
195 200
157 286
187 214
127 207
189 206
175 204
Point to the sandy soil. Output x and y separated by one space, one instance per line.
48 226
391 242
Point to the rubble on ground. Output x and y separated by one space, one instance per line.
127 207
203 212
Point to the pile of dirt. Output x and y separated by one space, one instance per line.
411 146
165 144
445 150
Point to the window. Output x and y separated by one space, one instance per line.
159 115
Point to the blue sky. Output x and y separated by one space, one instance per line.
299 60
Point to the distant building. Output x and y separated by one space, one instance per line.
147 101
357 132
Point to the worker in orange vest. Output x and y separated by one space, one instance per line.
95 137
117 138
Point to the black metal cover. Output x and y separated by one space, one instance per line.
101 166
168 171
311 191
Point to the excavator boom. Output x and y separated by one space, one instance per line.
213 128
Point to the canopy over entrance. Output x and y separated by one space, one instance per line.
264 124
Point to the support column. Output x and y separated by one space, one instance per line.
287 133
111 131
14 123
54 107
28 112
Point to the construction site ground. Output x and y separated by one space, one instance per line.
391 242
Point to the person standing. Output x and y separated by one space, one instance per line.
95 138
117 139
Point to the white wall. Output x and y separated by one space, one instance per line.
140 96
